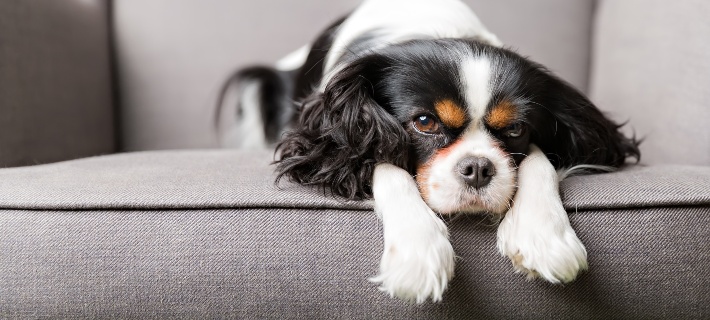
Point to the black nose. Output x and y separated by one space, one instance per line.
476 171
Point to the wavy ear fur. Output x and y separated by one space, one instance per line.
341 135
577 132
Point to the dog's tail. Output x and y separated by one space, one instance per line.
254 108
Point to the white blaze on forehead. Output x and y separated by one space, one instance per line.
476 85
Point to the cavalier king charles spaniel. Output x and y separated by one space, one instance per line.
415 104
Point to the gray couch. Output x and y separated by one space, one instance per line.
197 232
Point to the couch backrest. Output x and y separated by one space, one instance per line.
55 83
652 68
175 54
650 63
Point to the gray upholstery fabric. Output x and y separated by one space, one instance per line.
204 234
652 68
233 179
313 264
175 54
55 88
158 179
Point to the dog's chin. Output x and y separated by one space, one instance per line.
446 194
471 202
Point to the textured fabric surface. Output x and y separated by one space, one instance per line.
652 68
175 54
233 179
639 186
158 179
313 264
55 88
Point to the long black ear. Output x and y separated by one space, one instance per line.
575 132
341 134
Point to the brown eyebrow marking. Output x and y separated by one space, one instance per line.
502 115
450 113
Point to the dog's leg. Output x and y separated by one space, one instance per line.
418 260
536 234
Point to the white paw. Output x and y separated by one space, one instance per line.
417 263
548 249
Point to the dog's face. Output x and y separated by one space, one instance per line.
466 109
458 114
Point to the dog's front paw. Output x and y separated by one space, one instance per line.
417 263
545 249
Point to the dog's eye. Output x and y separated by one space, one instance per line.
514 131
426 124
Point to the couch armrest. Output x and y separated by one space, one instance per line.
55 83
207 234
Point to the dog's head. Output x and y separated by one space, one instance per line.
458 114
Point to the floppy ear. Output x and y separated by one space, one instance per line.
341 135
575 132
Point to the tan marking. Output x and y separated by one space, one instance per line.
502 115
422 176
422 179
450 113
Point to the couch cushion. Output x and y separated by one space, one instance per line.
206 234
275 263
652 68
55 81
158 179
233 179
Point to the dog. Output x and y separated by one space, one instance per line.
416 104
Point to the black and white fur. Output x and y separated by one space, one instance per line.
369 85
